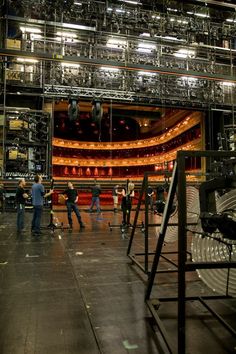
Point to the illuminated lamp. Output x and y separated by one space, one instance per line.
88 172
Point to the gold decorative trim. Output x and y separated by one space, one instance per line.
189 122
142 161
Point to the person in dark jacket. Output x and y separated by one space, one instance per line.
126 203
71 196
96 191
21 197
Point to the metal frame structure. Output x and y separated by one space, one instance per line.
184 265
147 225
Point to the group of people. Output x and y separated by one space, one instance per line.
38 194
71 198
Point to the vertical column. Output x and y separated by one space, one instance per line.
182 244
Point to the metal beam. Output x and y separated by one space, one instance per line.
217 3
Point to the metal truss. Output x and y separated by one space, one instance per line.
65 91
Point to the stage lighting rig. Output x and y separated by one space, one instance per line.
73 109
97 110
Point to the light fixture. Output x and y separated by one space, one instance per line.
107 68
132 2
71 65
34 36
27 60
228 83
185 53
66 34
231 20
171 38
78 27
156 17
145 34
145 47
174 10
30 29
78 3
189 78
116 43
73 109
147 73
120 10
199 14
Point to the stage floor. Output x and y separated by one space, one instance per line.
77 292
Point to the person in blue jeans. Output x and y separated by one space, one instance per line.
71 196
38 194
21 197
96 191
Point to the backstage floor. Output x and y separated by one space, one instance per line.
78 293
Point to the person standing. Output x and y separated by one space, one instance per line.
38 194
115 194
21 197
71 196
96 191
150 194
126 203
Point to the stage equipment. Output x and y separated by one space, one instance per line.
97 111
27 137
73 109
212 256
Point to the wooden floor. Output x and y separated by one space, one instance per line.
76 292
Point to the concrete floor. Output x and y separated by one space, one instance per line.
77 292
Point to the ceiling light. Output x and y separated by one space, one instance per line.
231 20
147 73
27 60
132 2
66 34
145 34
228 83
79 27
34 36
180 55
185 53
144 47
198 14
174 10
30 30
170 38
189 78
117 43
107 68
120 10
71 65
78 3
157 17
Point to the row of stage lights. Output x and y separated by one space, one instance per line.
96 114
